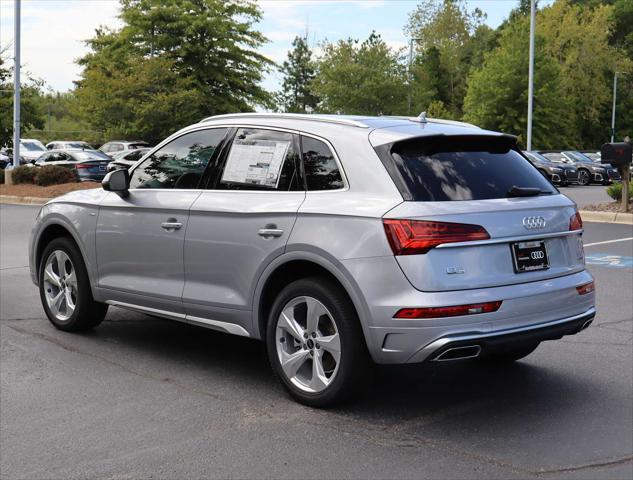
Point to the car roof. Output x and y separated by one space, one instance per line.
382 129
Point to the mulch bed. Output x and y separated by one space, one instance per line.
27 190
606 207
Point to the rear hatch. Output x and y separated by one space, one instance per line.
93 166
477 214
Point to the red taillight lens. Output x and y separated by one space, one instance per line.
81 165
455 311
412 237
575 222
586 288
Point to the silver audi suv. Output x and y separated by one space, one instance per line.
340 241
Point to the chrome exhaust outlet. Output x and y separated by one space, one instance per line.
458 353
586 324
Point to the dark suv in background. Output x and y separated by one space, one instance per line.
557 173
588 170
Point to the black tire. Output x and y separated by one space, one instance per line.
584 177
509 354
87 313
354 367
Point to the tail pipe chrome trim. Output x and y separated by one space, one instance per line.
458 353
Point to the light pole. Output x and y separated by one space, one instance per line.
16 87
615 94
409 76
531 74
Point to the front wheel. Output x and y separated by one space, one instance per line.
584 178
65 288
315 343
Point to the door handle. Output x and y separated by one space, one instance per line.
171 225
270 232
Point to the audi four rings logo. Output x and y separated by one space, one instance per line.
533 223
537 255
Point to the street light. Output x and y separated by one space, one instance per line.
615 94
16 87
409 71
531 74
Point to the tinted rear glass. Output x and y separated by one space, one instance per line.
445 169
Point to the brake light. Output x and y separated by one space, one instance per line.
82 165
575 222
412 237
454 311
586 288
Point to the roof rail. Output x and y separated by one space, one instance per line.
294 116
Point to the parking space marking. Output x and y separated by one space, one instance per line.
611 261
608 241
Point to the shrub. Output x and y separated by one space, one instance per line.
54 175
24 174
615 191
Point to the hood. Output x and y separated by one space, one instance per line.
92 196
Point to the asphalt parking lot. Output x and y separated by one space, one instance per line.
146 398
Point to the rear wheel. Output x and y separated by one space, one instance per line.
315 344
65 288
584 178
509 354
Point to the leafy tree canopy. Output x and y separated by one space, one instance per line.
299 71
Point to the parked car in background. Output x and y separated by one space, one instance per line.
612 173
4 160
30 150
90 165
558 173
126 158
588 171
337 240
116 146
68 145
593 155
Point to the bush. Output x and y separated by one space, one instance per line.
24 174
54 175
615 191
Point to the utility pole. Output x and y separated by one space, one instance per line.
531 74
409 76
16 87
615 94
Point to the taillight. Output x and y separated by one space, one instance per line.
575 222
586 288
81 165
455 311
412 237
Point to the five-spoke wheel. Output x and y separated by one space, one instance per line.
60 285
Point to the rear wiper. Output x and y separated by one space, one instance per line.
524 191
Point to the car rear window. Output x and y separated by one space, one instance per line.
455 168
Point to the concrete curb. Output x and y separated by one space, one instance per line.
19 200
607 217
587 216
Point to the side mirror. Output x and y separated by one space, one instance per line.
117 181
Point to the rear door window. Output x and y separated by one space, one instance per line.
456 168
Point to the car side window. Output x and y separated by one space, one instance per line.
134 156
116 147
260 159
319 164
180 163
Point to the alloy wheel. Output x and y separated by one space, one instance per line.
60 285
308 344
583 177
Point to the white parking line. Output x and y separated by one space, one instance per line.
608 241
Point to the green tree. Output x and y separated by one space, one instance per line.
172 63
30 112
497 92
447 27
366 78
299 70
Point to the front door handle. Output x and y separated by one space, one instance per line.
171 225
270 232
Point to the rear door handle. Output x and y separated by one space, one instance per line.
171 226
270 232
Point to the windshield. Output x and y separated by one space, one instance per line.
538 157
91 155
443 169
77 145
579 157
32 147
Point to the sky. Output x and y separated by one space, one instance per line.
53 31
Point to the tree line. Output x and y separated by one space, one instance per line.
174 63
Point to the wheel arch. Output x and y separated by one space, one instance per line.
293 266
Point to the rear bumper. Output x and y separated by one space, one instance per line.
478 343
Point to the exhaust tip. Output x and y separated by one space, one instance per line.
458 353
586 324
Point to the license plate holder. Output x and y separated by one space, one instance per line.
529 256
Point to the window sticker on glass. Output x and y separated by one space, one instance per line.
256 162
